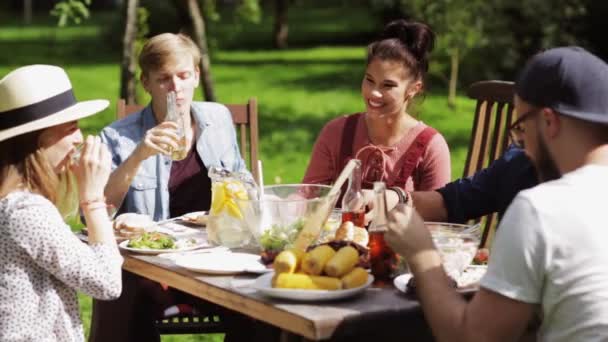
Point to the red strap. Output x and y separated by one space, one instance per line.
413 154
346 148
348 139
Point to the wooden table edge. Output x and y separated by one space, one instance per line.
250 307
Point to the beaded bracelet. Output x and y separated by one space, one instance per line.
95 203
404 196
400 194
94 200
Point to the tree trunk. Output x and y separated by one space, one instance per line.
453 78
200 37
27 11
129 61
280 24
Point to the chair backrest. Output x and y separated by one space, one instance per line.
489 136
245 118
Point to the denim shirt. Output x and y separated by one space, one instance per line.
148 193
491 189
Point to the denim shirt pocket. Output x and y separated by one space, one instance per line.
143 195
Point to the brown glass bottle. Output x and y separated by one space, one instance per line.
384 262
353 209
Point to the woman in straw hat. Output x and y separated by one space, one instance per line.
42 263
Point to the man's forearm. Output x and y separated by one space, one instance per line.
443 307
120 180
430 205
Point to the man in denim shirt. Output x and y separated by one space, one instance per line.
144 179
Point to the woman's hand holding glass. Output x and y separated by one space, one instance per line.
92 169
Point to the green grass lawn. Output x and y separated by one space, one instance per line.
298 90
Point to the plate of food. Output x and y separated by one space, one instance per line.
130 225
264 284
222 263
467 282
198 217
157 242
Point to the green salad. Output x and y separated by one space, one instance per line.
152 240
277 237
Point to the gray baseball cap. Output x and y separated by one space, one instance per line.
570 80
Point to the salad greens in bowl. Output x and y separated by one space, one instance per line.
276 220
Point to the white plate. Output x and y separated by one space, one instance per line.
264 286
400 282
199 244
469 280
222 263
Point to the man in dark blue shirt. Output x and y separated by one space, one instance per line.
487 191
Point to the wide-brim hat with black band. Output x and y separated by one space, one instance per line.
569 80
34 97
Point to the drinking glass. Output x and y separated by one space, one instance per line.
174 115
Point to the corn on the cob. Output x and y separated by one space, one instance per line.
307 282
315 260
343 262
287 261
355 278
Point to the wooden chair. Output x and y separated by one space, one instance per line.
489 136
245 117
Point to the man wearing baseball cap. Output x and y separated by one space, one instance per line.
550 255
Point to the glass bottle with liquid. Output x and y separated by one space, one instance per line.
174 115
353 208
385 263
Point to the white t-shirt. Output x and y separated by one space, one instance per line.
552 249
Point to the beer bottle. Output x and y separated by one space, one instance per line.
353 208
384 262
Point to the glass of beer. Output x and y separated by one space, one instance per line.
174 115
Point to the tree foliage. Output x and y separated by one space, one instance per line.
74 11
458 24
250 10
494 38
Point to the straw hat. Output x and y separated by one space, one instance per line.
34 97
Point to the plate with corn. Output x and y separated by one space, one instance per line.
323 273
264 284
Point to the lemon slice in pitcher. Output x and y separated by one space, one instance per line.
224 195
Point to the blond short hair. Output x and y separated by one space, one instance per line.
164 49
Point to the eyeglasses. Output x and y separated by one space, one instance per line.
516 130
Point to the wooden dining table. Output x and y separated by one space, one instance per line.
381 311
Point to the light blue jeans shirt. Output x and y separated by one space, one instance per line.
148 194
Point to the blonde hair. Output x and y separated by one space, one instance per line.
27 164
165 48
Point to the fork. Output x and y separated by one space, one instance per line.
193 252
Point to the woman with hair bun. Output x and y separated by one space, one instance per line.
393 146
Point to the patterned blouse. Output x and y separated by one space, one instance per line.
42 265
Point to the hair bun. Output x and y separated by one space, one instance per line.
417 37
